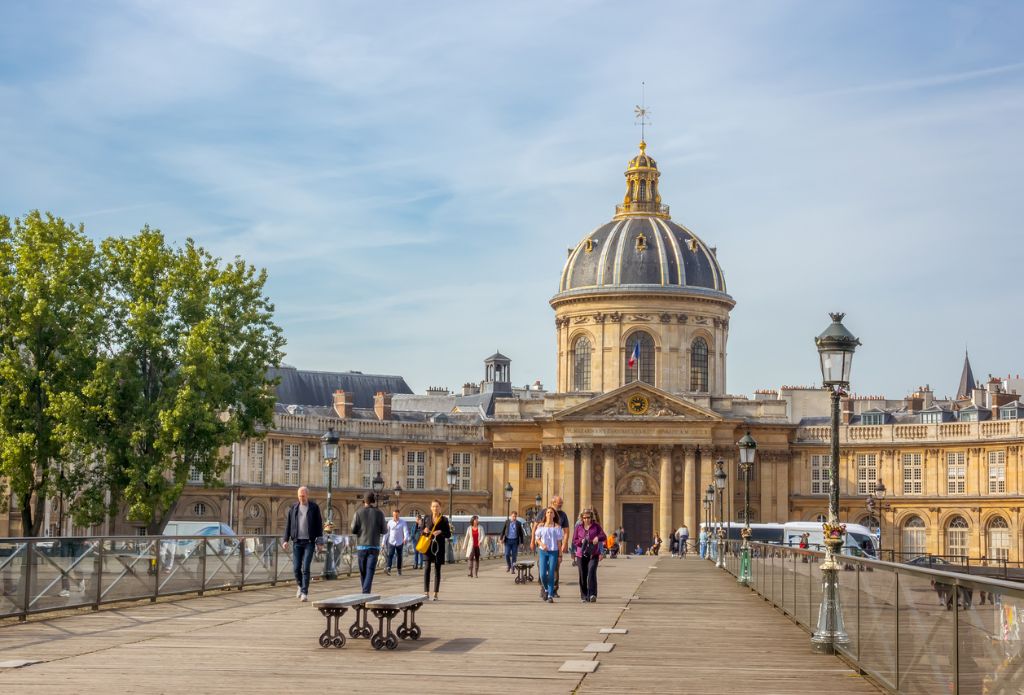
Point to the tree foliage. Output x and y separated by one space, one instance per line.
124 368
49 327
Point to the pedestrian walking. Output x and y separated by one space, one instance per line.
417 556
588 539
398 534
548 539
471 545
368 526
563 522
437 528
620 536
304 529
702 543
656 544
513 535
683 537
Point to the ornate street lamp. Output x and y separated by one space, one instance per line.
836 346
747 447
538 514
508 499
329 449
398 493
880 507
453 480
720 479
377 484
709 500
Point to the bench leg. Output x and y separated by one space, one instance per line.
332 634
361 627
409 629
384 638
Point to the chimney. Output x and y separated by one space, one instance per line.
343 404
437 391
382 405
845 411
470 389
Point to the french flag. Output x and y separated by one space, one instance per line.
635 355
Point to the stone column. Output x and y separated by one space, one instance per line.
586 476
567 483
548 477
781 464
665 494
395 476
354 477
608 517
769 513
690 505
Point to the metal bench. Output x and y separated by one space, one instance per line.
386 609
524 571
334 608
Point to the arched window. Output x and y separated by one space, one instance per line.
914 538
199 509
998 539
581 364
699 366
957 537
640 358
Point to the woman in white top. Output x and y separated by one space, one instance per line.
548 539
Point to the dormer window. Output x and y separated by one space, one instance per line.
873 419
641 242
931 418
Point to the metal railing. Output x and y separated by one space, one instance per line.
912 629
40 575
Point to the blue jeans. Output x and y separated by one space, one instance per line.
367 567
394 550
703 549
548 564
302 558
511 551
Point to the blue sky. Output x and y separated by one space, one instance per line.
411 174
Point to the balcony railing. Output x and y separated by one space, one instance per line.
914 433
379 429
912 629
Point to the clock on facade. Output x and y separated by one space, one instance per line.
638 404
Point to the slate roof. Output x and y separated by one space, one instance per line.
967 383
306 387
672 258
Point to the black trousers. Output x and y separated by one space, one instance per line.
588 576
429 562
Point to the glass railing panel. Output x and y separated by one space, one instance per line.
128 569
12 577
259 559
223 564
876 623
926 633
181 565
802 587
991 639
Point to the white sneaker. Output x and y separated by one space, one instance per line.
298 592
303 598
65 593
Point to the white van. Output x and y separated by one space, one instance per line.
222 539
859 539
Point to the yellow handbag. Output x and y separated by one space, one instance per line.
423 544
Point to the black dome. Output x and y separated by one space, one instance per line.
643 252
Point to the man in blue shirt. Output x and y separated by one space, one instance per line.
513 535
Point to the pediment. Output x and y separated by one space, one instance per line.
659 404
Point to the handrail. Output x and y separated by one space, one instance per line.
912 629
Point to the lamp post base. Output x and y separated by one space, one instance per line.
330 571
720 552
831 631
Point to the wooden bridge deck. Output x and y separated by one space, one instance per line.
691 630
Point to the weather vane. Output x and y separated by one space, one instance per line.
642 112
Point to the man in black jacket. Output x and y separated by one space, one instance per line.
368 526
513 535
304 529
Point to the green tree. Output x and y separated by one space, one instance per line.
189 341
49 325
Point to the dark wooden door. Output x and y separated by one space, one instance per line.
638 520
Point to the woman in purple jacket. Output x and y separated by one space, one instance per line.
588 539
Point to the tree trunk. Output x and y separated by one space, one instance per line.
26 514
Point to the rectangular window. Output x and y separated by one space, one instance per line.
194 475
257 461
371 465
415 470
819 473
463 461
913 475
1009 414
873 419
292 463
956 473
867 474
931 418
534 466
997 472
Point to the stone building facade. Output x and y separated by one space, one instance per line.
637 420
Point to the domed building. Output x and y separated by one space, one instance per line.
642 298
